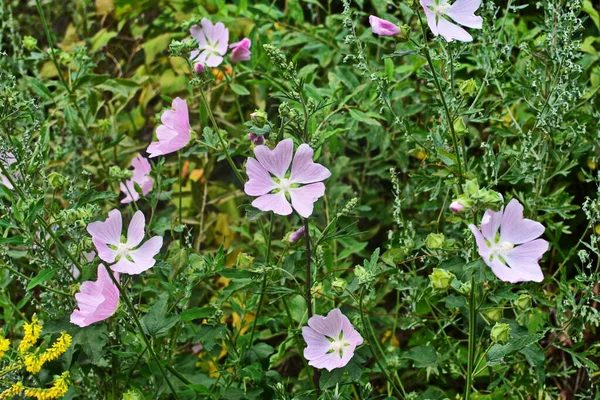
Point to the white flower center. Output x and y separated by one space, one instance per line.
338 345
122 250
501 250
284 185
441 9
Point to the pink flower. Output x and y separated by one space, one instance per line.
299 234
141 169
461 11
97 300
240 51
382 27
199 68
456 207
508 244
174 133
331 340
130 257
7 160
269 179
213 41
256 139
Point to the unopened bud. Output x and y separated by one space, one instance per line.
500 333
199 68
29 42
339 285
256 139
456 207
299 234
441 279
259 117
493 314
434 241
523 303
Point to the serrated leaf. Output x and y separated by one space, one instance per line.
158 320
196 313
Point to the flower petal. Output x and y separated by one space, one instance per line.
303 198
515 229
105 253
482 247
463 12
430 16
276 161
143 258
304 170
490 223
273 202
135 231
108 231
260 181
331 325
451 31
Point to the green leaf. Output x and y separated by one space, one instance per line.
92 340
363 117
234 273
44 276
497 352
330 379
91 196
158 321
423 356
196 313
239 89
101 39
209 334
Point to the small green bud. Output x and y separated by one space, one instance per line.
259 117
523 303
434 241
65 58
244 261
500 333
118 174
464 288
339 285
29 42
493 314
364 277
468 87
471 187
441 279
57 181
459 126
404 34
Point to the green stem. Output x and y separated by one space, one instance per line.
472 338
298 344
444 104
14 271
369 343
180 197
141 330
308 272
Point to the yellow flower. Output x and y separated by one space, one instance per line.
4 345
14 390
32 334
34 362
58 390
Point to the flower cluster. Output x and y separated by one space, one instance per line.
213 42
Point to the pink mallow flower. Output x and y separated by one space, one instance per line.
269 179
240 51
213 40
382 27
256 139
130 257
141 169
456 207
7 160
174 133
331 340
97 300
461 11
508 244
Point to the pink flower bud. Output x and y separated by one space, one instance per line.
456 207
253 116
256 139
199 68
299 234
240 50
382 27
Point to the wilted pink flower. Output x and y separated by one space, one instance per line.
461 11
456 207
141 169
130 257
270 181
7 160
382 27
174 133
331 340
497 243
299 234
240 51
97 300
256 139
213 40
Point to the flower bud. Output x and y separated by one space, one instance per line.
493 314
441 279
434 241
29 42
299 234
500 333
459 126
471 187
57 181
456 207
259 117
382 27
256 139
468 87
339 285
199 68
464 288
523 303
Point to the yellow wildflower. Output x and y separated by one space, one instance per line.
32 334
58 390
58 348
4 345
12 391
33 363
